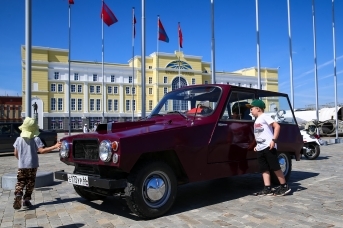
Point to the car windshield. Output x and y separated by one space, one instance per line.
189 101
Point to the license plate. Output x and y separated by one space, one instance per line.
78 180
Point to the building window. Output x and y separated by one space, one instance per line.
127 105
115 105
73 104
97 89
150 80
91 89
60 104
109 105
115 89
76 76
150 67
165 90
73 88
109 89
91 104
79 104
53 87
150 90
166 106
127 90
73 125
193 81
130 79
206 82
165 80
57 75
53 125
112 78
150 105
98 107
95 77
133 90
53 104
134 105
60 124
79 88
60 88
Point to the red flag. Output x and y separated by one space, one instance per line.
162 35
134 25
107 15
180 36
71 1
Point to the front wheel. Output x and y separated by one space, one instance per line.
285 165
151 189
312 151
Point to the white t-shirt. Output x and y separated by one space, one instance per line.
263 132
28 152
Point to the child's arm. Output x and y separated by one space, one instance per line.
48 149
16 153
276 127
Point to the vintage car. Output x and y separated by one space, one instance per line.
191 135
10 131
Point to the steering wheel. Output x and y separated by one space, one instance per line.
206 110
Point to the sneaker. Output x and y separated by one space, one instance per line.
281 191
27 203
264 192
17 202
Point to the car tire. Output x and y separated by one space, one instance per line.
315 151
90 196
285 162
151 189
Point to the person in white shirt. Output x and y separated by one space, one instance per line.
266 132
85 129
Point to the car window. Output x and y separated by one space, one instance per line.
236 108
5 129
278 108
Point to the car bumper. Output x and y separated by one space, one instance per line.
96 182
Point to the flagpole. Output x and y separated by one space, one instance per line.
290 52
69 92
334 65
258 49
315 61
28 57
158 58
213 45
133 55
102 64
143 59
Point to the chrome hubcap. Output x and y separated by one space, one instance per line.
156 189
283 161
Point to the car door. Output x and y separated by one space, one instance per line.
233 138
6 137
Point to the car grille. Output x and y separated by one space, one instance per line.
86 149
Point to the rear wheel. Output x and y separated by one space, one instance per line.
151 189
312 152
285 162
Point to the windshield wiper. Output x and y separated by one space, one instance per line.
183 115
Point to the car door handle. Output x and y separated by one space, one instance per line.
221 124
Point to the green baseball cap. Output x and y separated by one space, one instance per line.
257 103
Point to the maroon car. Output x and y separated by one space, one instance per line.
195 133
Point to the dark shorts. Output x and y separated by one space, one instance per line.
268 160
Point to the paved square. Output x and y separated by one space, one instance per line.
316 200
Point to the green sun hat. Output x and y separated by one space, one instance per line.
29 129
257 103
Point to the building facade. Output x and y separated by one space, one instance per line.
10 109
117 93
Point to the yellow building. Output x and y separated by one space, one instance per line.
122 85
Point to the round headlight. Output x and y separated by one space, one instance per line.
64 152
105 151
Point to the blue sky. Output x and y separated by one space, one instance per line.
235 34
